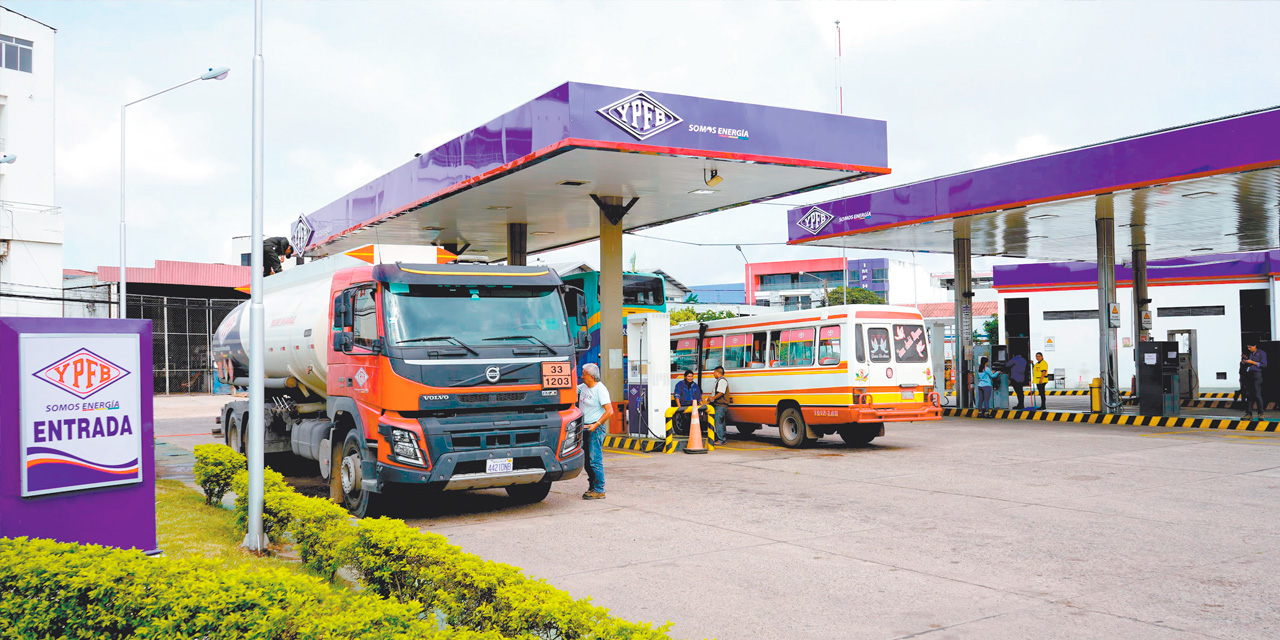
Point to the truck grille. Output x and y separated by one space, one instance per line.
494 439
474 398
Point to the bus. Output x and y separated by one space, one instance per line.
791 370
641 293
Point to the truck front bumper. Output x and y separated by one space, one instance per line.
464 470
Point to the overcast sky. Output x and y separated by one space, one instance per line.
354 89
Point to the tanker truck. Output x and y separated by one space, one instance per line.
442 376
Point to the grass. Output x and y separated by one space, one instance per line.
188 528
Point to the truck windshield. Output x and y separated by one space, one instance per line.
471 315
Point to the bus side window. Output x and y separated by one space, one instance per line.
775 349
799 346
737 351
859 351
711 354
758 342
829 345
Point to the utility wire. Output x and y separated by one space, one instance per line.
713 244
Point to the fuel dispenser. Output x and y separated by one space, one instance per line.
648 374
998 355
1188 381
1158 384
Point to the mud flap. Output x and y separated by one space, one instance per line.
810 434
326 458
335 481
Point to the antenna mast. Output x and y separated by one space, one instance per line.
839 54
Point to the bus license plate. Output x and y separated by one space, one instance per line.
556 375
908 395
498 465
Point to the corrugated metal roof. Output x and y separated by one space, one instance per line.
202 274
947 310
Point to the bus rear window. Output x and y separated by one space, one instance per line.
909 344
878 341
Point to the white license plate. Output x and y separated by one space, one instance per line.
908 395
498 465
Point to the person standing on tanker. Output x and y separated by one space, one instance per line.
1018 376
593 402
720 402
688 394
272 250
1255 361
1040 377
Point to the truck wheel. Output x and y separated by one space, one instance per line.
529 493
792 428
233 433
747 429
359 503
857 435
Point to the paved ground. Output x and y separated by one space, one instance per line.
952 529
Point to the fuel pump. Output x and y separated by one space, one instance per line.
1000 386
1188 381
648 374
1158 384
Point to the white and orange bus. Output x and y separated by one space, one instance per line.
846 369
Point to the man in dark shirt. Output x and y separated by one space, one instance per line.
1018 377
688 394
1254 362
272 250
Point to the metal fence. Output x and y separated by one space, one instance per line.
182 339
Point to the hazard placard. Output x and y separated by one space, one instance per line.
1146 320
1048 343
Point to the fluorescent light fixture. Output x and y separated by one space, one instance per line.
542 233
1203 249
702 192
573 183
1034 237
433 228
1200 194
496 207
1043 215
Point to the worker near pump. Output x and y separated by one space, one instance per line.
1018 375
720 402
984 388
1254 362
1040 377
272 250
596 408
688 394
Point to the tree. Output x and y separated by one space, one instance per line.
687 314
992 327
857 295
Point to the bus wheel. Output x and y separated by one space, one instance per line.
747 429
792 428
857 435
359 503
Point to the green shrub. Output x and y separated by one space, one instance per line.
277 499
321 532
57 590
216 467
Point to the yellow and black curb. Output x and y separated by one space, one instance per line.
1131 420
627 443
672 443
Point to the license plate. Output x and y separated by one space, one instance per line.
498 465
908 395
556 375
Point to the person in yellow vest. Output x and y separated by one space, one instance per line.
1040 376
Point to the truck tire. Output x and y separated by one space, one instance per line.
857 435
792 428
746 429
233 433
358 502
529 493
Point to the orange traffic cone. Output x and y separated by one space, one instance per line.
695 433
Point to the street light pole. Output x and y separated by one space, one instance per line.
826 295
212 74
254 538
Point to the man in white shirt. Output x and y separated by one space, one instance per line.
593 402
720 402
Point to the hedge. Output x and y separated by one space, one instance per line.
399 562
58 590
216 467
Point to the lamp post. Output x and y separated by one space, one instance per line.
212 74
826 295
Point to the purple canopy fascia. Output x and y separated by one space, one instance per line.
1228 145
1206 269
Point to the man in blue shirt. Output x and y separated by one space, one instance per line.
1018 376
1254 362
688 394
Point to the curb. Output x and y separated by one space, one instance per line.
1132 420
627 443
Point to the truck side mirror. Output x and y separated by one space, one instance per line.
342 341
584 340
582 312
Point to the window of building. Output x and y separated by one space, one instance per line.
879 275
1183 312
829 345
909 344
1079 314
878 338
17 53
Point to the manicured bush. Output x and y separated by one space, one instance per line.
277 499
216 466
322 533
56 590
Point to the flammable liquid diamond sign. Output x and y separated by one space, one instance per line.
80 411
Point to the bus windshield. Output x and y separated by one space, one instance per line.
642 290
471 315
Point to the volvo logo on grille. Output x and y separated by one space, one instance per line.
640 115
815 220
492 374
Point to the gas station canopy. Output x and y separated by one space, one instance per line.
1209 187
541 164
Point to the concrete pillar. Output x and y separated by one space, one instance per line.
1275 307
517 243
1105 224
964 313
611 341
1138 247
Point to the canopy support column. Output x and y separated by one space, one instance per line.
963 291
612 211
517 243
1138 243
1105 224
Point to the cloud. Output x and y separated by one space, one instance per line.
1024 147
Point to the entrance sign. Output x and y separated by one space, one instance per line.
81 412
77 461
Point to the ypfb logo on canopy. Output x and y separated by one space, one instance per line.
82 373
640 115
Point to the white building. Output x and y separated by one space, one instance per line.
31 227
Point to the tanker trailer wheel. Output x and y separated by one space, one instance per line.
529 493
359 503
792 428
233 433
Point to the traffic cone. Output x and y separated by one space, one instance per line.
695 433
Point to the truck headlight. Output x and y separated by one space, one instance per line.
572 436
405 446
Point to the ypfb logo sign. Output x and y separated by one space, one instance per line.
81 415
640 115
82 373
814 220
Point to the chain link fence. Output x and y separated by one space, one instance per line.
182 339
